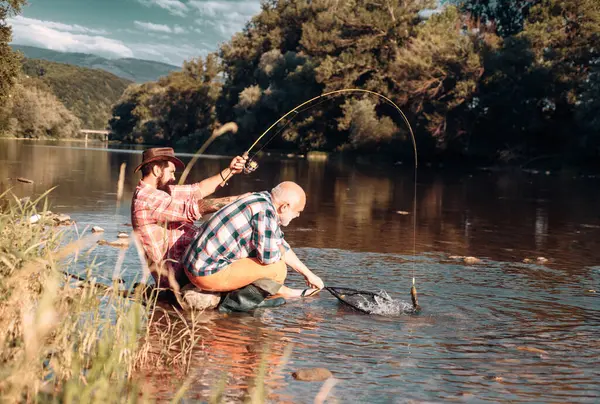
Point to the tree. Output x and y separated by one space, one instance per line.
9 60
35 113
508 16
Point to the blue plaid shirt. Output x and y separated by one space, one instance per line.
248 227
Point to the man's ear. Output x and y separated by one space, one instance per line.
156 170
284 207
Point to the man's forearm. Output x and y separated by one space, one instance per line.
214 204
293 261
209 186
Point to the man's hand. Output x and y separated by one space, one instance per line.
314 281
237 164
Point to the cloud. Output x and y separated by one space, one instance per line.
59 26
179 30
222 8
65 37
174 7
149 26
169 53
227 17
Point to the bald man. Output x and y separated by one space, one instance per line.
243 242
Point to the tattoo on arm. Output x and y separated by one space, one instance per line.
214 204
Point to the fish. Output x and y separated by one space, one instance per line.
415 300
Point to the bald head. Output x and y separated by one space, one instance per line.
289 192
289 200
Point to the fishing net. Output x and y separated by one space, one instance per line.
370 302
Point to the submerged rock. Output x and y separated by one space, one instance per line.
532 350
312 374
402 212
97 229
122 234
471 260
538 260
119 243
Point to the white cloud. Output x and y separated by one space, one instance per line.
65 38
174 7
149 26
222 8
179 30
228 17
59 26
169 53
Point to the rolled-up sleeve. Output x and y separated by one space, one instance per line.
166 208
267 237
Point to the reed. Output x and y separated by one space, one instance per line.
77 339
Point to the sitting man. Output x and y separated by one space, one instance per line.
163 214
243 243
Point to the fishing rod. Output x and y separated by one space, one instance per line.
252 165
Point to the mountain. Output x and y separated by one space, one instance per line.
87 93
136 70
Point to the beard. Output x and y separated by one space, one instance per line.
164 186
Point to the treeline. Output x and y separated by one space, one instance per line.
505 83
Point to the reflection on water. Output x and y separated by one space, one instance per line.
502 330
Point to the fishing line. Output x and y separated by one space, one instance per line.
354 90
290 120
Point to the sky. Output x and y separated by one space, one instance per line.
169 31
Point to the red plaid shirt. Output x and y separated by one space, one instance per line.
164 222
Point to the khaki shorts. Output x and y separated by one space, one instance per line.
239 274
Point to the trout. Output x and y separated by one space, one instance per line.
415 301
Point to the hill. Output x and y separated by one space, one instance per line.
136 70
88 93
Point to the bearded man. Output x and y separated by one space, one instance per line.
163 214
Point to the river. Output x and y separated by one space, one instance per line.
500 330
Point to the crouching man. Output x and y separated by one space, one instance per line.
243 243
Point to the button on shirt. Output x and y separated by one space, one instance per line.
164 222
248 227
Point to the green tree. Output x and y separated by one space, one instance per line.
9 60
178 109
508 16
35 113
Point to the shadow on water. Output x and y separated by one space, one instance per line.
499 330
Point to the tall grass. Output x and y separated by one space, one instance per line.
59 340
69 339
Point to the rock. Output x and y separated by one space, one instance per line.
538 260
532 350
61 218
122 234
590 291
119 243
456 257
97 229
402 212
24 180
198 299
34 219
471 260
312 374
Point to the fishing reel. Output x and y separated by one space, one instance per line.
250 166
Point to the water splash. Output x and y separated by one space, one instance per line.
384 305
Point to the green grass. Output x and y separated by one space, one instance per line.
72 341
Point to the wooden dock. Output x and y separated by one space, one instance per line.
87 132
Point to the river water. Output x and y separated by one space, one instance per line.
500 330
